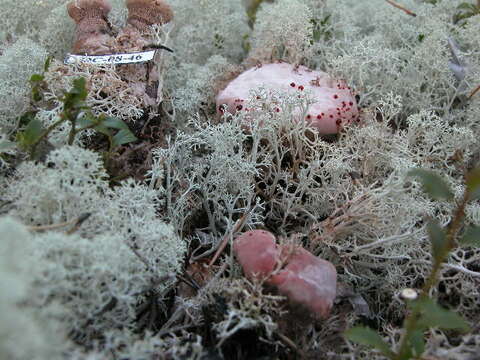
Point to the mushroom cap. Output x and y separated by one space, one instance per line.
143 13
335 105
309 281
78 10
256 252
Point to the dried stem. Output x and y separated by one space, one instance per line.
237 227
398 6
76 225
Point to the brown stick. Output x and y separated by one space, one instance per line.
477 89
76 224
398 6
237 227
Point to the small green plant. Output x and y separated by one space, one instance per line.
424 312
466 10
76 112
252 11
320 29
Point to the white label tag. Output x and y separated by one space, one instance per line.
111 59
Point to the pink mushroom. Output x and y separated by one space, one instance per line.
306 279
92 35
257 253
309 281
334 106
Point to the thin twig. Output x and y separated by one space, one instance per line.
387 240
81 219
398 6
237 227
76 224
173 330
291 344
472 94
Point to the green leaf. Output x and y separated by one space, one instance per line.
104 130
6 145
115 123
417 342
438 240
473 183
433 315
467 7
47 63
471 237
79 87
74 99
26 117
35 81
87 120
31 133
36 78
123 137
369 337
433 184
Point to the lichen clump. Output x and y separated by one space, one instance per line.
124 188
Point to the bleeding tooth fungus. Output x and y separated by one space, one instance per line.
327 114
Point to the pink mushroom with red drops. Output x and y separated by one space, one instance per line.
305 279
334 101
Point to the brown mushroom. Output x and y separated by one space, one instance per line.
143 13
92 35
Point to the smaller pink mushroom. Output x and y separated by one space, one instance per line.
257 253
306 279
309 281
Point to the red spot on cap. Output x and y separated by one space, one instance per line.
319 117
350 103
239 107
301 88
292 84
335 96
309 116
